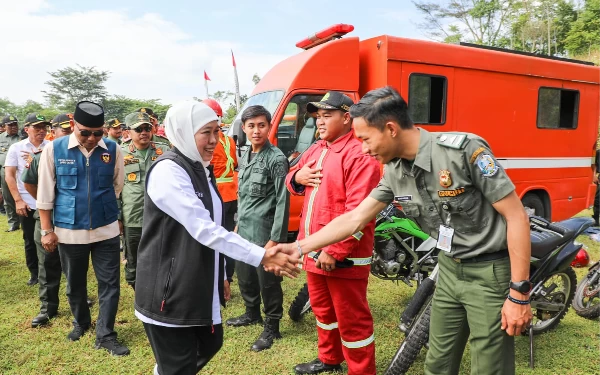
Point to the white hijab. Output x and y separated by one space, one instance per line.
183 121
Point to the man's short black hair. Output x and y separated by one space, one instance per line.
256 111
380 106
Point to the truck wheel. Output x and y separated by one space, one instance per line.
534 205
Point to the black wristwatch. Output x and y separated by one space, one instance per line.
523 287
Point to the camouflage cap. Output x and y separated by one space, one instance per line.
133 120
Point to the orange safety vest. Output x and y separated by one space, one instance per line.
225 161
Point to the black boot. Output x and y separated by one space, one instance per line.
316 367
269 333
248 318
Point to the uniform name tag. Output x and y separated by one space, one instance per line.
445 238
403 198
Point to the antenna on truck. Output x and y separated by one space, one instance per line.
324 36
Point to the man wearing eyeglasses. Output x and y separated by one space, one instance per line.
18 158
8 138
154 121
138 156
80 178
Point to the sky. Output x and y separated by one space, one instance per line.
157 49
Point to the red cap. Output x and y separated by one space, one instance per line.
214 106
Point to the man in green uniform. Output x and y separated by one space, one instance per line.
10 136
154 119
138 156
263 220
48 262
454 188
115 130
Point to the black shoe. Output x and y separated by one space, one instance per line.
13 228
268 335
132 285
32 281
245 319
90 302
316 367
41 320
2 212
113 347
77 332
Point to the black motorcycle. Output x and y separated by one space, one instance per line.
587 296
553 248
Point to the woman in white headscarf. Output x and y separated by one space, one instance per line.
180 269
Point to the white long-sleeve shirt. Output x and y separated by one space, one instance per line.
171 190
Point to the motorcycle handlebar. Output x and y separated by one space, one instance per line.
545 224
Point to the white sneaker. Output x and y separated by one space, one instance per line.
156 369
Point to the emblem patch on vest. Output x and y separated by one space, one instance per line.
106 157
159 151
451 193
131 177
445 179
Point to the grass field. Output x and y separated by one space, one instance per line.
573 348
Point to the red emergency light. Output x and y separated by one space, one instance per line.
332 32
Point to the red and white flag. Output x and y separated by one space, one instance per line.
237 83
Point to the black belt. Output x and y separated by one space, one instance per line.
483 257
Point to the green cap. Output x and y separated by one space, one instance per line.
114 123
133 120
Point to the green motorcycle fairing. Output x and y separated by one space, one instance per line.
399 224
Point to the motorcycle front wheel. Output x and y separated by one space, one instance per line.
587 296
558 289
415 339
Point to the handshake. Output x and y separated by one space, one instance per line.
282 260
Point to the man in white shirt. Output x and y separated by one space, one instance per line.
18 158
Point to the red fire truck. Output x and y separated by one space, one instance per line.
539 114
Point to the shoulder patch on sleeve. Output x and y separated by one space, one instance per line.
476 154
487 164
452 140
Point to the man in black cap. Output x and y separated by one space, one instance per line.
49 262
8 138
18 158
80 178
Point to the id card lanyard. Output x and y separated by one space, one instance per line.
446 233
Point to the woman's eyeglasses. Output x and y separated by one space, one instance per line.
87 133
140 129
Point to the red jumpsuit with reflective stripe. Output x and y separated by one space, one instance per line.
339 298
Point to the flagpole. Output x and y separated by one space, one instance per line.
206 86
237 83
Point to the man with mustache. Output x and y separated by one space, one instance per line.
138 156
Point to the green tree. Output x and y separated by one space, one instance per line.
475 21
584 35
119 106
73 84
255 79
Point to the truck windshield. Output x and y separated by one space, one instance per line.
268 99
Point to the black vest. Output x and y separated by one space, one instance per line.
175 273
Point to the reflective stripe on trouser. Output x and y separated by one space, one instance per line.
344 321
467 304
357 261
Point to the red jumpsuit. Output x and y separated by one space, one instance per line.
339 298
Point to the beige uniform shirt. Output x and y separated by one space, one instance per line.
454 180
46 194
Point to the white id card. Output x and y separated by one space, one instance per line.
445 238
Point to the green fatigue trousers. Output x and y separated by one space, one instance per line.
9 202
254 282
49 272
131 237
467 304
